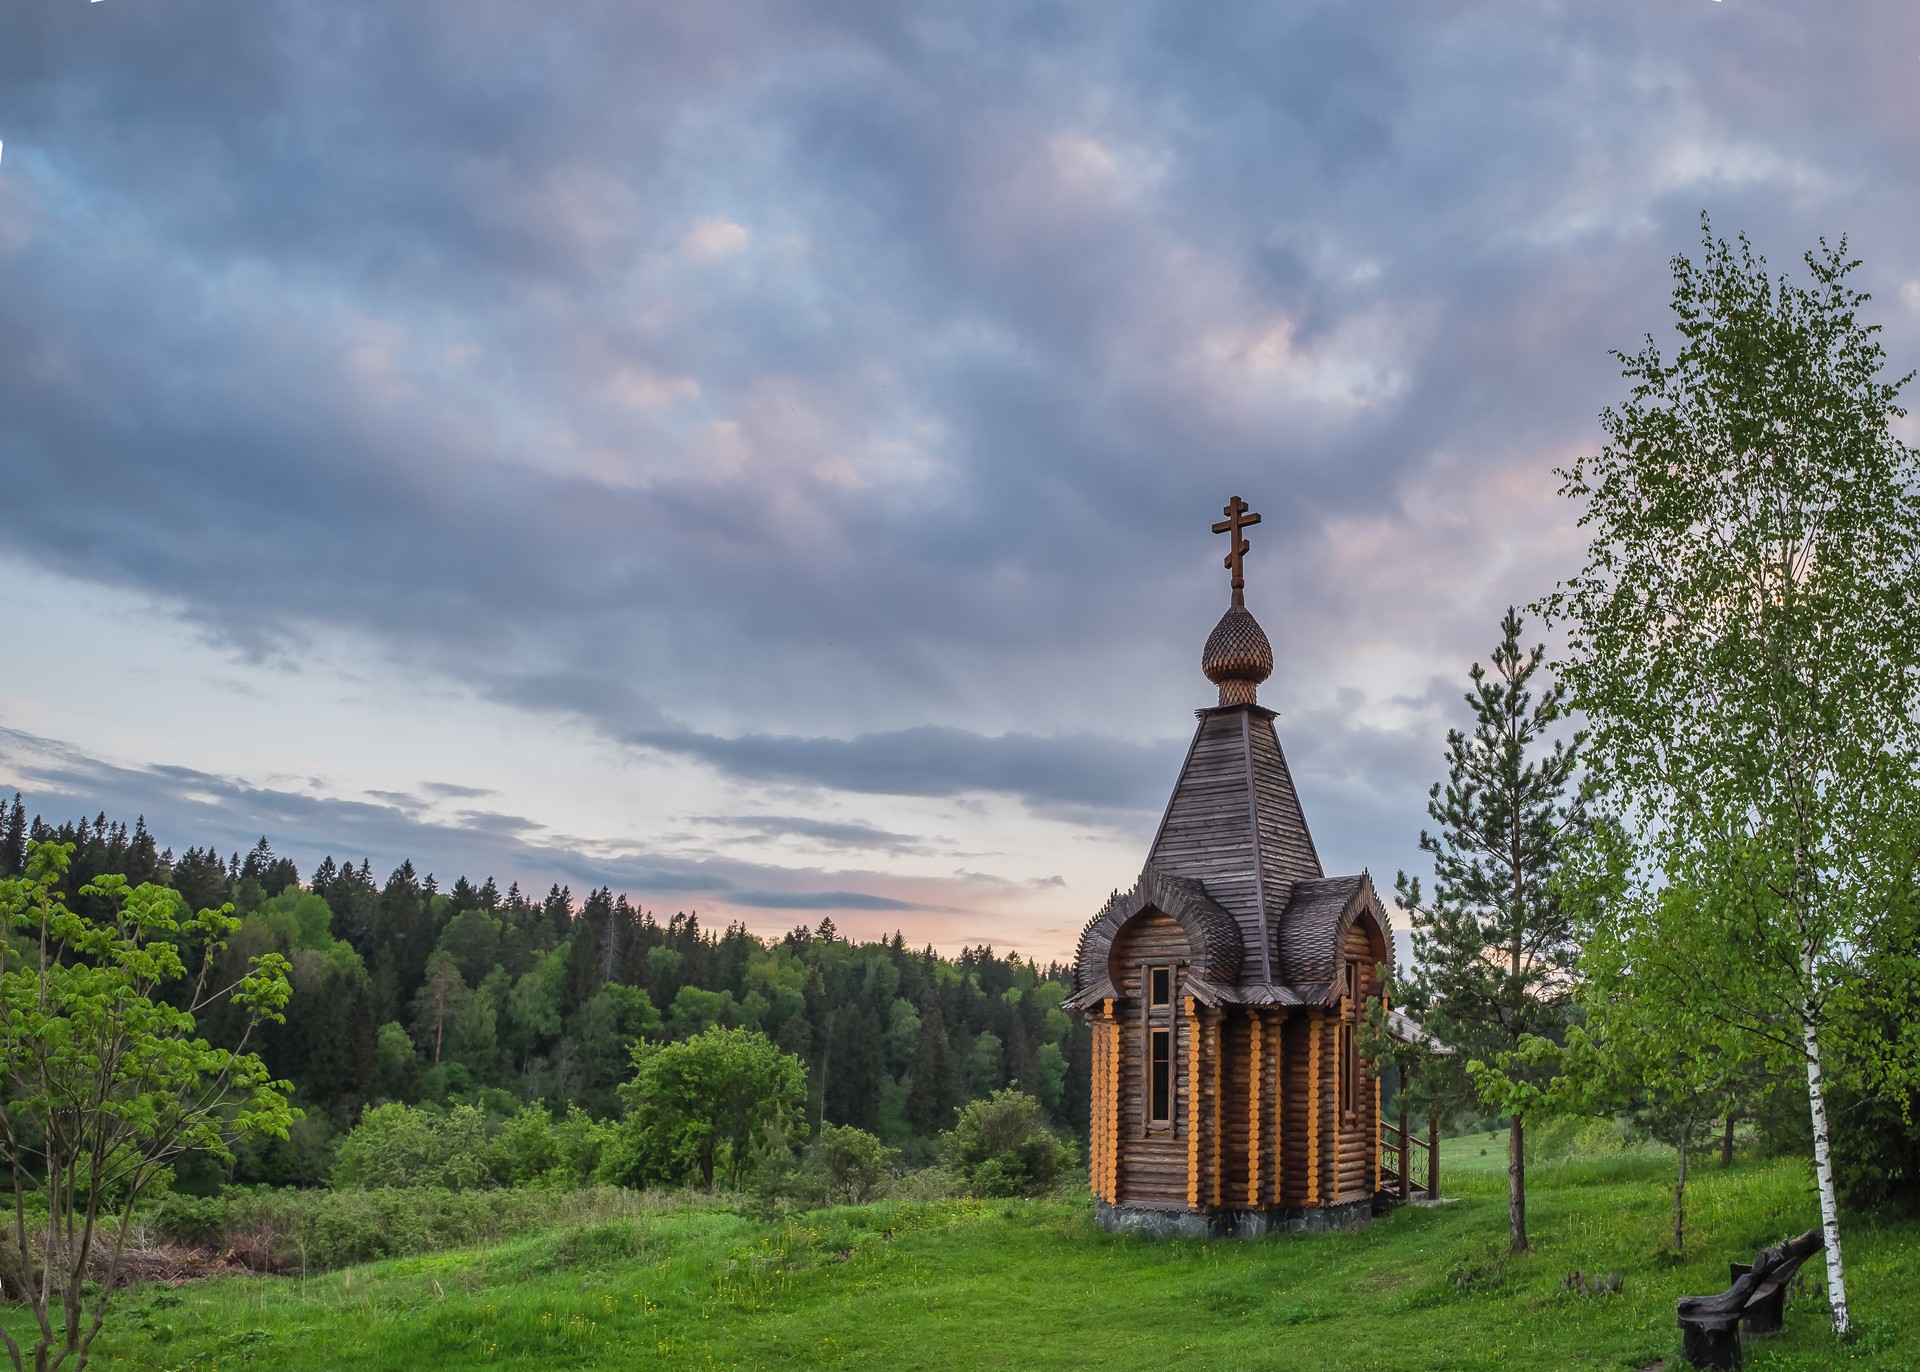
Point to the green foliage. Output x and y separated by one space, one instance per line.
534 1149
696 1109
1745 641
312 1231
1002 1147
397 1146
853 1166
105 1081
405 992
396 1064
296 919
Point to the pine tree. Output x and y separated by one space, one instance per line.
441 994
1494 951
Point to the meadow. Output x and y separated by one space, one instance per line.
689 1283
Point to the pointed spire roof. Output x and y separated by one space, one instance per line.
1235 825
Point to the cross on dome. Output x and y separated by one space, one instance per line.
1239 515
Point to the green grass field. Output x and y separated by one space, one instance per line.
961 1284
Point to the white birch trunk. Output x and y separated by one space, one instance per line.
1823 1175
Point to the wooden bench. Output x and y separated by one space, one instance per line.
1710 1325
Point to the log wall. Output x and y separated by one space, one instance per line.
1354 1176
1150 1164
1257 1115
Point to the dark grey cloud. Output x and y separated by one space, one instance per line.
833 393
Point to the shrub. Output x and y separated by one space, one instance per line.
534 1149
402 1145
1002 1147
853 1165
316 1230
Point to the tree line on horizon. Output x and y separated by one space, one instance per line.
404 992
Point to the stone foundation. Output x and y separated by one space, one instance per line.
1231 1224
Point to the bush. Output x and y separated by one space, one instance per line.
316 1230
853 1166
403 1145
534 1149
1002 1147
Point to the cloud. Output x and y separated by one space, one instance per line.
932 760
827 833
184 806
447 790
825 900
710 238
834 394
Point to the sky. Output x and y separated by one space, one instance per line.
759 456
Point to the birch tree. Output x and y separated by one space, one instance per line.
1745 641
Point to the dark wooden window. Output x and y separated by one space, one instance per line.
1350 1044
1160 1046
1160 1076
1349 1070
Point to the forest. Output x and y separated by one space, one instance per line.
407 992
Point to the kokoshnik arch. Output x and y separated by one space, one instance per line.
1226 990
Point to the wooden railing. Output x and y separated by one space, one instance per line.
1410 1164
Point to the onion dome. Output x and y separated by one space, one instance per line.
1237 657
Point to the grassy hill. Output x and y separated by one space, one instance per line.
1024 1284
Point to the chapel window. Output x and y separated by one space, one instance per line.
1349 1043
1160 1075
1159 1044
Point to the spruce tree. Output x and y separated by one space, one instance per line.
936 1085
13 840
857 1072
1494 950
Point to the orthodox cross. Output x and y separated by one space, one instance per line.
1238 516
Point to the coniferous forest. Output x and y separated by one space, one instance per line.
407 991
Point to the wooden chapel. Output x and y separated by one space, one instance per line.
1226 989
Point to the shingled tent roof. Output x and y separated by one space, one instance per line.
1234 841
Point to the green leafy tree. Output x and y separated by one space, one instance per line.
1877 1087
1494 948
1745 641
438 1004
1002 1146
699 1107
103 1083
1644 1051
